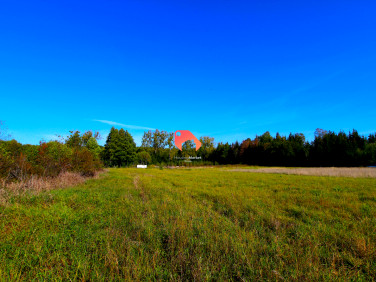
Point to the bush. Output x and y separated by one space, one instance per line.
19 162
53 158
84 162
6 164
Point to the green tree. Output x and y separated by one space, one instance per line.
120 148
74 140
157 142
93 147
143 157
88 135
207 147
127 153
188 148
110 148
266 138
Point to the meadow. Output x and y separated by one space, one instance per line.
192 224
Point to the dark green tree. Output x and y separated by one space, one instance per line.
110 148
127 153
120 148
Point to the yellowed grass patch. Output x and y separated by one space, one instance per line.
38 184
319 171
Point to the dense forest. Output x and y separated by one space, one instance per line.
327 149
81 153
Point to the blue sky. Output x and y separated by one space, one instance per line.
226 69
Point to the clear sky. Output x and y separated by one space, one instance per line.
226 69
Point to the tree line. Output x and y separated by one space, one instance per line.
82 153
327 149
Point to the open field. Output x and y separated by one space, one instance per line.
195 224
319 171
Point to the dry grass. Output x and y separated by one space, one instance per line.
367 172
36 184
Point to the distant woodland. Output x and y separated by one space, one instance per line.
327 149
81 153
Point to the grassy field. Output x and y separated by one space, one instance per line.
193 224
362 172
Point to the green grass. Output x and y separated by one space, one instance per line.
202 224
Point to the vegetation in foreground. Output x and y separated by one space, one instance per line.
205 224
49 164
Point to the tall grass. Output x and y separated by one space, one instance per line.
36 184
199 224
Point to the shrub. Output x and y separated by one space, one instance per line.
20 168
19 162
53 158
84 162
5 165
